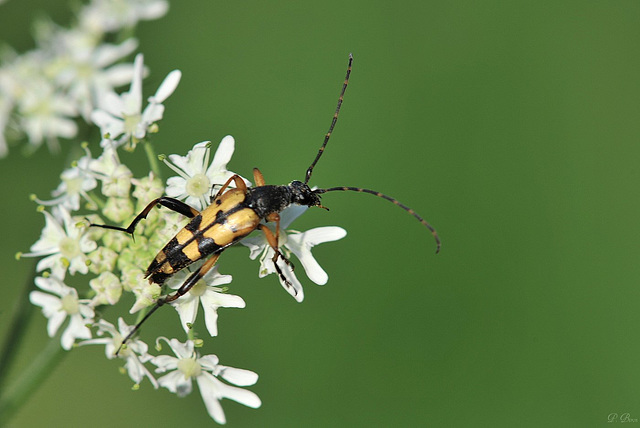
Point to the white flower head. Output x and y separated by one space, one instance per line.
64 242
196 176
206 293
122 115
45 114
188 365
115 176
63 302
76 183
135 353
87 71
298 243
5 114
102 16
107 287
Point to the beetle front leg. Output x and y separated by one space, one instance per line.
273 243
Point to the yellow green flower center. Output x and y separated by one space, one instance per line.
69 248
189 367
131 123
198 185
199 289
70 304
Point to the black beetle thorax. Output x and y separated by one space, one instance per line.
265 200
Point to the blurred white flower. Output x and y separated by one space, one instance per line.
44 114
122 115
75 183
103 16
88 73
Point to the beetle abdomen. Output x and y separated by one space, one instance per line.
222 223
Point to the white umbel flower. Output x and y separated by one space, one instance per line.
64 243
135 353
206 293
298 243
122 115
101 16
75 183
61 304
196 176
188 365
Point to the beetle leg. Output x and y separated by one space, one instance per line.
275 217
258 177
171 203
240 184
184 289
273 243
193 278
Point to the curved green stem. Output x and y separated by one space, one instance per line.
21 315
31 378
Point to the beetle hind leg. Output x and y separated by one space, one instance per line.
184 289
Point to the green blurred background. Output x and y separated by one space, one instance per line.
513 127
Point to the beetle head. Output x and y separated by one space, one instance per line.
302 194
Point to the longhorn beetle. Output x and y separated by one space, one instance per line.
232 215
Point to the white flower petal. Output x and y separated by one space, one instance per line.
209 362
55 321
289 214
324 234
134 100
212 390
176 383
240 377
151 114
44 300
207 385
301 243
256 245
75 329
165 363
51 285
168 86
222 157
294 288
187 308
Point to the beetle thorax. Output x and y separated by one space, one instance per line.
265 200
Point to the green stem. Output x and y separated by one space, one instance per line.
32 378
153 158
21 315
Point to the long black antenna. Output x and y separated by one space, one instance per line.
390 199
333 122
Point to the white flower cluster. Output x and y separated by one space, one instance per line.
84 270
110 264
70 71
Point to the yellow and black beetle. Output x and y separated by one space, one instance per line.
232 215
